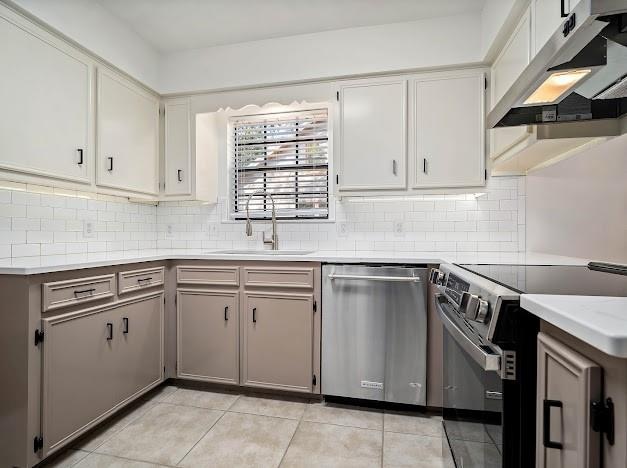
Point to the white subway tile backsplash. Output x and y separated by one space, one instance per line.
51 224
25 250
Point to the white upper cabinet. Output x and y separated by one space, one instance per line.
507 67
177 165
447 126
373 137
548 16
128 135
45 96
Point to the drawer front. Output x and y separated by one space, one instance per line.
213 275
60 294
279 277
134 280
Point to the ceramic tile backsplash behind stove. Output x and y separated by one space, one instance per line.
493 221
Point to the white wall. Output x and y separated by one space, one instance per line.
578 207
89 24
436 42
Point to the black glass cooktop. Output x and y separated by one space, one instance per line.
555 279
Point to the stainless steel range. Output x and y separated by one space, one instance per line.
489 371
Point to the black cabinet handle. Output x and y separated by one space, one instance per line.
141 280
80 156
563 11
546 423
424 165
226 313
109 331
179 175
254 315
125 323
84 291
110 163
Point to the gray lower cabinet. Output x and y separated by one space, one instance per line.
277 342
95 360
567 383
208 335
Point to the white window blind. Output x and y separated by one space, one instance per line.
287 155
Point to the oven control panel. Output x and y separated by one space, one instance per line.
470 306
456 287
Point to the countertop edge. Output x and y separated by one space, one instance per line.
543 306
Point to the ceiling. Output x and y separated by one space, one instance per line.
175 25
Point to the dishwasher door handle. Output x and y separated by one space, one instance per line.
394 279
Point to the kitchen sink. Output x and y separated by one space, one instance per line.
263 252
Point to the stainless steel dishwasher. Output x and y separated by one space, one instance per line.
374 332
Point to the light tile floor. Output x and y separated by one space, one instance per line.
182 427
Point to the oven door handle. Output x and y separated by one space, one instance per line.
487 361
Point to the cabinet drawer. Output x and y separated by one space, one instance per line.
133 280
279 277
60 294
215 275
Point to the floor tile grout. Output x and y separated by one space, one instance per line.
162 400
201 438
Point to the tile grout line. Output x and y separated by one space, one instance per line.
300 420
201 437
382 438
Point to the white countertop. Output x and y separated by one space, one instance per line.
52 263
597 320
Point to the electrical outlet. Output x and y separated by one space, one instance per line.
399 229
169 231
342 229
88 229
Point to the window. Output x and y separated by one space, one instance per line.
286 155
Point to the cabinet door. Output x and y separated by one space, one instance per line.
139 326
448 130
507 67
80 368
45 96
177 148
373 135
567 383
90 365
547 19
128 132
278 341
208 335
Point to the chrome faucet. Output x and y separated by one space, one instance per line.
274 240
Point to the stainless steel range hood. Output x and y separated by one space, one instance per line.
580 74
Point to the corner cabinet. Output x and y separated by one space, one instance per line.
447 129
567 385
373 136
95 360
127 156
45 90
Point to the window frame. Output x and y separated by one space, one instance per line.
230 215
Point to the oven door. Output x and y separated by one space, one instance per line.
473 391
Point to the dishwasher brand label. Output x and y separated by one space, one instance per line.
373 385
